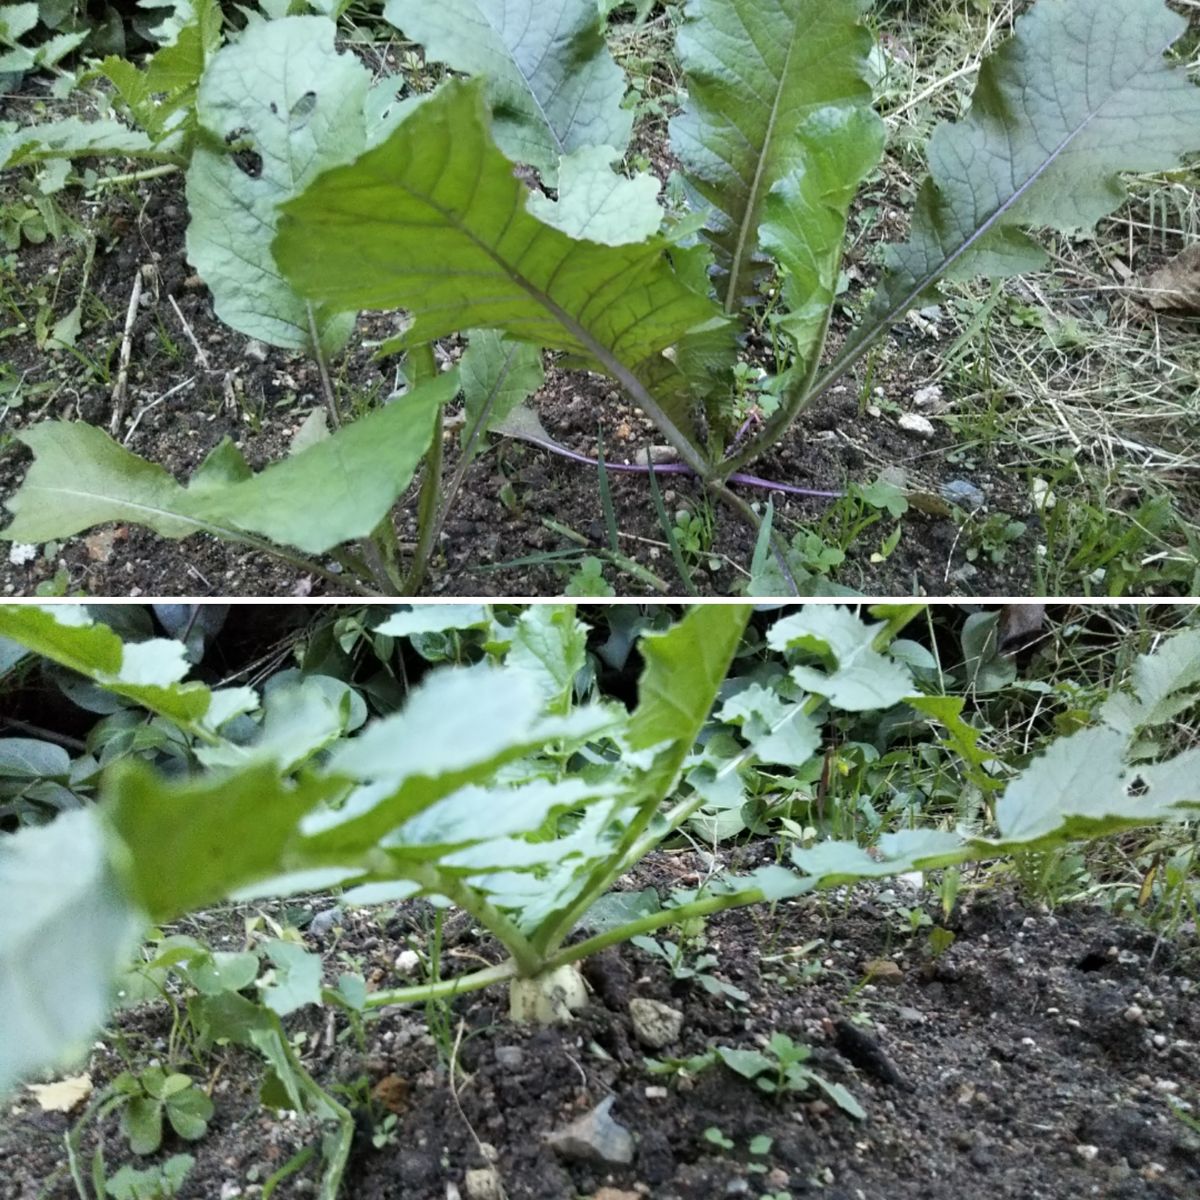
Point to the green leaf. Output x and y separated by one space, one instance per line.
804 217
756 73
29 758
146 672
596 203
1084 786
189 1111
189 843
862 678
66 925
283 93
434 618
1162 685
297 980
141 1123
497 375
1079 94
434 221
71 137
298 720
778 732
684 668
551 644
552 85
333 492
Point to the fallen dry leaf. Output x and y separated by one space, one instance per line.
100 544
1175 287
64 1095
392 1092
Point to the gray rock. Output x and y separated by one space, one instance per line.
510 1057
595 1137
655 1024
323 922
964 494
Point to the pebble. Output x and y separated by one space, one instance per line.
483 1183
737 1187
930 394
612 1193
883 970
407 962
916 424
1087 1153
255 350
963 493
594 1137
324 921
510 1057
654 1024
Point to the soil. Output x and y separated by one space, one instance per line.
1037 1056
185 396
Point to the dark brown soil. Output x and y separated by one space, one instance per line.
1037 1057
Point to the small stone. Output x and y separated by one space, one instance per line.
930 394
654 1024
1135 1015
510 1057
883 970
916 424
913 1016
777 1179
407 962
255 351
594 1137
656 1092
963 494
737 1187
324 921
612 1193
1087 1153
20 553
483 1183
230 1190
656 454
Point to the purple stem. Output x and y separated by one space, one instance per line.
675 468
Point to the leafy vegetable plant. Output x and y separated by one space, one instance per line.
364 200
494 791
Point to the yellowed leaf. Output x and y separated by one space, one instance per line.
64 1095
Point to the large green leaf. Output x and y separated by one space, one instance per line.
149 673
552 85
433 220
283 93
757 71
329 493
192 842
66 926
861 678
497 374
1080 93
804 218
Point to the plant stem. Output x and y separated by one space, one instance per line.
422 366
443 989
138 176
791 404
652 921
526 959
335 421
428 523
468 450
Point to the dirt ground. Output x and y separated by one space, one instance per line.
182 402
1037 1057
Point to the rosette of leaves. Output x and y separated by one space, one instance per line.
416 206
492 789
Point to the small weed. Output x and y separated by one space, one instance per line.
698 970
780 1067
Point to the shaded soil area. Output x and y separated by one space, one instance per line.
193 381
1039 1055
